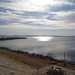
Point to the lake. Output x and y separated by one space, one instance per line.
45 45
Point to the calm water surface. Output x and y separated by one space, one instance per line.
51 46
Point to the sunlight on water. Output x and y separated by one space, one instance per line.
43 38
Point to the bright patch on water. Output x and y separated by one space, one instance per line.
43 38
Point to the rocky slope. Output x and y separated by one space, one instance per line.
10 66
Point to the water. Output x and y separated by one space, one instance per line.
51 46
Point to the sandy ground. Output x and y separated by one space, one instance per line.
17 64
9 67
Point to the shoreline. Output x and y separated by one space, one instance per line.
35 55
12 38
35 63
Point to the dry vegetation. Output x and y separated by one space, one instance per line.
34 61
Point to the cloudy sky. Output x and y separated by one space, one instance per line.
44 17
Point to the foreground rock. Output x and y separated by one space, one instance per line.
65 71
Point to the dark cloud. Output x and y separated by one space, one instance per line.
68 6
63 8
5 1
38 15
2 9
6 22
71 18
2 22
73 1
38 25
29 22
33 13
50 17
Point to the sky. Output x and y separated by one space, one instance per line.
37 17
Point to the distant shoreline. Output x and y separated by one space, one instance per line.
12 38
38 35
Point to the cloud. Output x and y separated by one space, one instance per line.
6 22
44 14
68 16
54 20
32 5
71 18
5 1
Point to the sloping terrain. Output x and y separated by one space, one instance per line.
8 67
13 63
25 59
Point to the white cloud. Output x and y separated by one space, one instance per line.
65 16
20 6
16 26
47 24
8 15
34 5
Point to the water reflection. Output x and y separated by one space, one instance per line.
51 46
43 38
